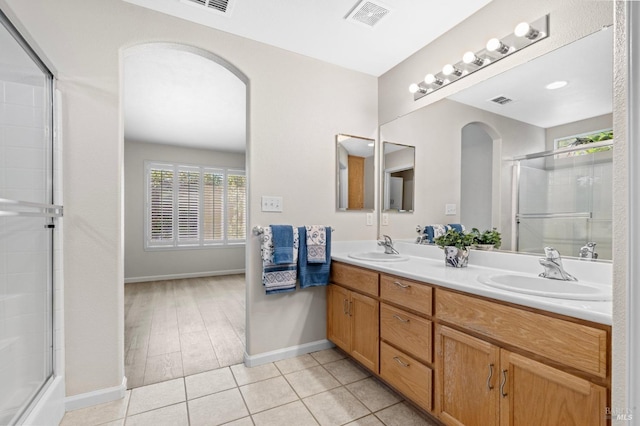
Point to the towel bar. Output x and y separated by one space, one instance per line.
259 230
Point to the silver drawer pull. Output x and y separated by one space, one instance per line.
399 361
399 318
504 382
399 284
489 385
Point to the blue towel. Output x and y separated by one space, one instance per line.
282 244
458 227
278 278
313 274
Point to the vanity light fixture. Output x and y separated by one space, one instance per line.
525 34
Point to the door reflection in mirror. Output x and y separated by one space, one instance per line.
355 173
399 163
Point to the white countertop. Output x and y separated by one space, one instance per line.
426 263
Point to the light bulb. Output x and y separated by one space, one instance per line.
430 79
472 58
448 69
414 88
523 29
495 45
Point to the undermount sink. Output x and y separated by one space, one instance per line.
536 286
378 256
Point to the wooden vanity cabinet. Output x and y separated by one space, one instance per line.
483 383
353 315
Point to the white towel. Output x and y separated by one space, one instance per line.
316 244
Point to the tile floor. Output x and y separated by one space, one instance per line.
322 388
177 328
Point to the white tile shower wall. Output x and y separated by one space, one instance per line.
24 247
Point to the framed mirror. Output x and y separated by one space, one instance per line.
398 177
508 118
355 173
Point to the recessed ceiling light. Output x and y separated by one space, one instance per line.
556 85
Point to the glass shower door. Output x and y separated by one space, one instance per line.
27 219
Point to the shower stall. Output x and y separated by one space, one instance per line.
563 199
28 218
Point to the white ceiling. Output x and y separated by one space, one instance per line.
318 28
586 65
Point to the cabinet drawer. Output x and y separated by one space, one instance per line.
575 345
406 293
408 332
355 278
407 375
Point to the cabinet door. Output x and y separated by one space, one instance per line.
338 320
536 394
466 379
364 313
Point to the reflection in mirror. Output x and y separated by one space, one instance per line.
399 163
355 168
468 144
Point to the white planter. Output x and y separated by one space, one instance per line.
455 257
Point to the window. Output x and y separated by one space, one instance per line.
583 139
194 206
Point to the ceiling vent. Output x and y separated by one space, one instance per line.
219 6
368 13
501 100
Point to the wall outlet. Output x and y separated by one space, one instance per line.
450 209
271 203
369 219
385 219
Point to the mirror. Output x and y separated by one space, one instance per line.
509 116
355 173
398 181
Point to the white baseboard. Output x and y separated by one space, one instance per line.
96 397
49 409
182 276
290 352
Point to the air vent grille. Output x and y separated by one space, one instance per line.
368 13
501 100
221 6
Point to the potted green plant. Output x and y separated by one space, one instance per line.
487 240
456 247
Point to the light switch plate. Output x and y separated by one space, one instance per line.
450 209
369 219
271 203
385 219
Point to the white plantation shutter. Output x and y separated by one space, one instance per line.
160 202
236 205
188 204
191 206
213 189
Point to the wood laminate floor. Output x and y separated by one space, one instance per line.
177 328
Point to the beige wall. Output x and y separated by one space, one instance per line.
291 153
144 265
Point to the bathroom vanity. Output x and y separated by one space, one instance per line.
469 354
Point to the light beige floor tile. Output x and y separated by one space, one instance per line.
245 421
97 414
370 420
173 415
328 355
217 409
335 407
209 382
311 381
159 395
290 365
289 414
113 423
373 394
267 394
346 371
245 375
189 319
161 368
227 345
135 375
403 415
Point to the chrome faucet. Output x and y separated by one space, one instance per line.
388 245
553 266
588 251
